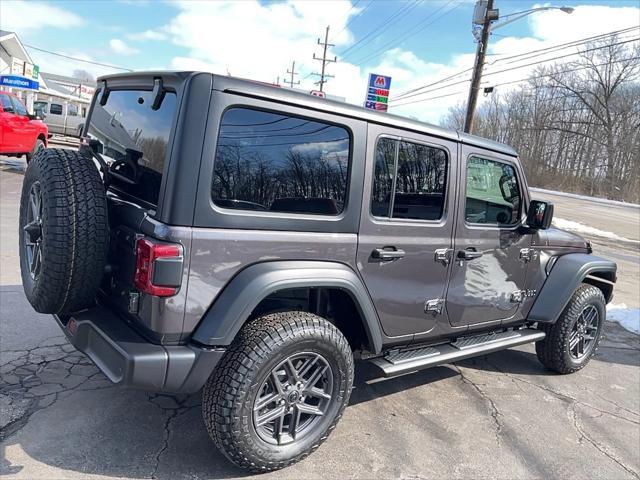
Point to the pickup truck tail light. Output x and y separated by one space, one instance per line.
158 267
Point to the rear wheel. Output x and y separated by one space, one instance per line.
279 390
63 231
573 339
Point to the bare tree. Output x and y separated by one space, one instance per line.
576 125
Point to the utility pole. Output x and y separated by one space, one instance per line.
489 15
292 72
324 60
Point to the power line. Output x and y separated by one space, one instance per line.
564 45
78 59
406 96
385 24
516 81
354 17
413 31
578 42
427 99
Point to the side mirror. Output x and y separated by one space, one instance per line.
540 214
34 116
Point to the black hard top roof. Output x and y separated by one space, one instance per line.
255 89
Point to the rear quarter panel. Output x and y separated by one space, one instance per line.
217 255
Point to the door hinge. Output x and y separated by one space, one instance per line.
518 296
434 306
528 254
443 255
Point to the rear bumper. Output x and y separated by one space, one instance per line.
127 358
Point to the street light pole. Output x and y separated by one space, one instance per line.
481 52
490 15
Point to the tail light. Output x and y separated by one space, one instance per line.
158 268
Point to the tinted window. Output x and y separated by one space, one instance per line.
133 139
55 109
384 172
493 195
19 106
7 106
280 163
417 175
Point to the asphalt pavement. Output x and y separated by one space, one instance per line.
498 416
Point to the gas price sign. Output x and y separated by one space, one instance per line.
377 92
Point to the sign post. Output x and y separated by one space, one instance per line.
377 92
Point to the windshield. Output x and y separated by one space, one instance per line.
133 140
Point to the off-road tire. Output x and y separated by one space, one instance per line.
229 394
553 351
74 231
39 145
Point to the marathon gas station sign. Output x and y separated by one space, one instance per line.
377 92
16 81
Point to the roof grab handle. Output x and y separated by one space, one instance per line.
158 94
104 96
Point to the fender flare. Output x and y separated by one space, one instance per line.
566 275
231 309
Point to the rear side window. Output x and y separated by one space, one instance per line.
277 162
133 140
409 180
55 109
7 106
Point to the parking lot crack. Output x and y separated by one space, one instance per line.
34 379
173 407
568 398
601 448
495 412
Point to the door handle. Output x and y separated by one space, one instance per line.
468 254
386 254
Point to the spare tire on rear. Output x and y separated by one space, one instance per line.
64 232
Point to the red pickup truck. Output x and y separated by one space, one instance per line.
20 132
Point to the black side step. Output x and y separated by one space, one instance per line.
397 362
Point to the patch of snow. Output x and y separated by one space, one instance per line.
585 197
628 318
586 229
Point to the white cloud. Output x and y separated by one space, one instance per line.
259 40
153 35
121 48
20 16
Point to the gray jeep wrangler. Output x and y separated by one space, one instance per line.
225 235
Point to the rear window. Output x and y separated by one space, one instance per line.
133 140
267 161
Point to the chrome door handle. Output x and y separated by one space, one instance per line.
468 254
386 254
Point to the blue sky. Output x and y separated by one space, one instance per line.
260 39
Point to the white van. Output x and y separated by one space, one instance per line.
62 118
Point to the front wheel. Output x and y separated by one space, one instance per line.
39 145
573 339
279 391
